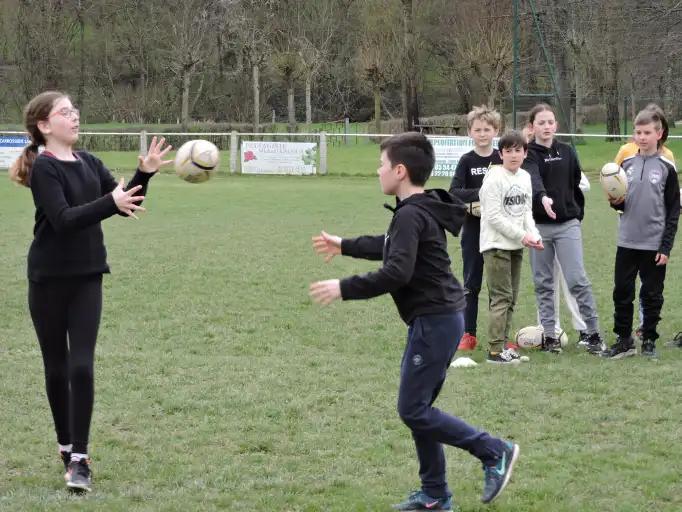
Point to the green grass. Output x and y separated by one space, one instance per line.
221 387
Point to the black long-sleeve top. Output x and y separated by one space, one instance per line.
71 200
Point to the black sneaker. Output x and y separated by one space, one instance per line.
419 500
676 341
649 349
551 345
595 344
582 340
497 477
66 458
505 357
623 347
79 476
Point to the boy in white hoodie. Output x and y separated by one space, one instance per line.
506 227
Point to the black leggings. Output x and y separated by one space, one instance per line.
59 307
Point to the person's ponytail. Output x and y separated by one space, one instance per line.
38 109
20 170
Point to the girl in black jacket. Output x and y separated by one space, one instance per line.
558 208
73 192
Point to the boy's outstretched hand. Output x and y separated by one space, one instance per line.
616 201
326 292
327 244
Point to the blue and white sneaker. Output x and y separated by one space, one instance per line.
419 500
497 477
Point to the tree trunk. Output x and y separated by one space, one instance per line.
143 95
308 106
464 91
81 79
256 98
377 109
578 98
403 101
409 64
414 109
564 90
291 111
669 105
612 117
186 81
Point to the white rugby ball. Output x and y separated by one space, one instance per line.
531 337
196 160
613 180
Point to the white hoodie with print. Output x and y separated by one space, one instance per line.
506 209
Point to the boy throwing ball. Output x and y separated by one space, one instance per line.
416 272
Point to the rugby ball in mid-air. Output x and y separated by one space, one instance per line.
613 180
196 160
531 337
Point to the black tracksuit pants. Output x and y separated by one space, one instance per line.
629 263
431 344
472 262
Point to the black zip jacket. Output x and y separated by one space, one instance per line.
416 265
555 172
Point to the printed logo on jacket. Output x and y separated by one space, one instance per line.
515 201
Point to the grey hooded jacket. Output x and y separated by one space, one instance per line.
652 204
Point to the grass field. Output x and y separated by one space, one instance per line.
221 387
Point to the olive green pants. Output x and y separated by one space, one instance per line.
502 273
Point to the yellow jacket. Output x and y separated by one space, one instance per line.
631 149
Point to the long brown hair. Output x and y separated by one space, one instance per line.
38 109
540 107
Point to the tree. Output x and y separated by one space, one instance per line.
192 25
378 53
409 66
474 42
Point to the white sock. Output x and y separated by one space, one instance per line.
65 447
76 457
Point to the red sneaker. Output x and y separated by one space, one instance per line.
468 342
511 345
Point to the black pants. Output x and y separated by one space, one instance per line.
472 261
431 344
629 263
66 314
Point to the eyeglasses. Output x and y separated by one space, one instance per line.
66 112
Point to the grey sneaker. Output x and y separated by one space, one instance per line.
79 476
551 345
649 349
594 344
497 477
623 347
419 500
582 340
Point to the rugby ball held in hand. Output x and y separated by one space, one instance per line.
613 181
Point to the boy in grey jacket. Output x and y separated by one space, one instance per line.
646 234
